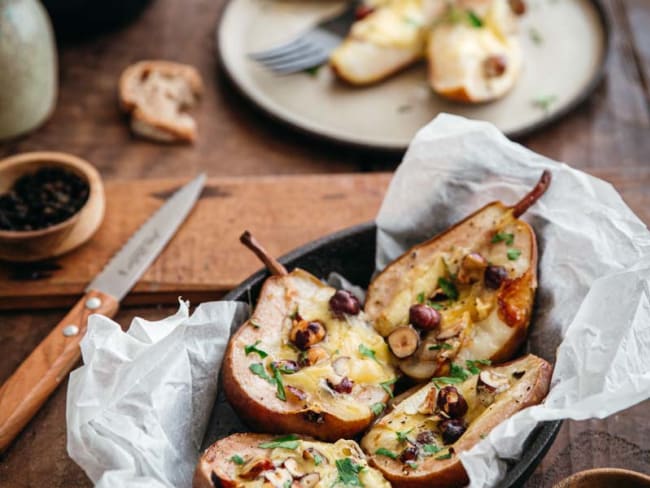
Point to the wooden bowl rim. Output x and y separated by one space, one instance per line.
597 472
87 170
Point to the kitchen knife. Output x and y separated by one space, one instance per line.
23 394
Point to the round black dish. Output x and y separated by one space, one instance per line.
351 253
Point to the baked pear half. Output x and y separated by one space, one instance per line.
262 461
391 36
418 442
307 361
465 294
474 52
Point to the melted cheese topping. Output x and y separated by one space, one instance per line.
313 457
346 337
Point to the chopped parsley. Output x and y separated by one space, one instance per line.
445 380
277 377
444 456
544 101
448 288
435 305
252 348
348 472
366 351
412 464
473 365
259 370
382 451
506 237
290 441
287 484
474 20
483 436
513 254
378 408
237 459
421 297
412 22
457 371
535 36
402 436
318 460
386 386
295 314
443 345
313 71
431 449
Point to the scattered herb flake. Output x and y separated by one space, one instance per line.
253 348
513 254
290 441
412 464
412 22
443 345
294 315
483 436
318 460
259 370
445 380
277 377
459 372
366 351
437 306
287 484
444 456
378 408
402 436
421 297
386 386
382 451
535 36
474 20
506 237
313 71
430 449
473 365
348 472
448 288
544 101
237 459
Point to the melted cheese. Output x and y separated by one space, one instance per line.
326 467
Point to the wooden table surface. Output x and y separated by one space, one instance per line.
608 136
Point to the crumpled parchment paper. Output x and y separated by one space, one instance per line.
593 299
138 407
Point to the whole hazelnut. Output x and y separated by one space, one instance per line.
424 317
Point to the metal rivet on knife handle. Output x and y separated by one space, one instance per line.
70 330
93 303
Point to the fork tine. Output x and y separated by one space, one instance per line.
301 64
293 56
288 47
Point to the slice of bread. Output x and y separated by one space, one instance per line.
158 94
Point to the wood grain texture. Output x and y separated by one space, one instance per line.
28 388
607 136
205 258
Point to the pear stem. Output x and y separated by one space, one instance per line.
269 261
533 195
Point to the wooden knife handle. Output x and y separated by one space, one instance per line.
23 394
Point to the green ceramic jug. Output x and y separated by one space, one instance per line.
28 67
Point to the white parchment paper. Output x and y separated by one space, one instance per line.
137 409
593 299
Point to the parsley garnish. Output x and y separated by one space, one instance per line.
544 101
412 464
378 408
483 436
386 386
431 449
474 19
448 288
277 377
259 370
317 459
253 348
437 347
435 305
313 71
420 297
287 484
445 380
290 441
237 459
403 435
458 372
348 472
503 236
366 351
535 36
445 456
382 451
472 366
513 254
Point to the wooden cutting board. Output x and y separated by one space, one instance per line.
205 259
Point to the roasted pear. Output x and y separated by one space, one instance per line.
260 460
417 443
307 361
468 291
389 37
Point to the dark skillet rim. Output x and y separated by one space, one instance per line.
538 443
579 99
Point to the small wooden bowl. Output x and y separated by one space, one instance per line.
605 478
36 245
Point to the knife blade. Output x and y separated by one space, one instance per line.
22 395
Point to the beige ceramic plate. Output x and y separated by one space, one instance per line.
564 64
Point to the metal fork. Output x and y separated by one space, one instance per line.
311 48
